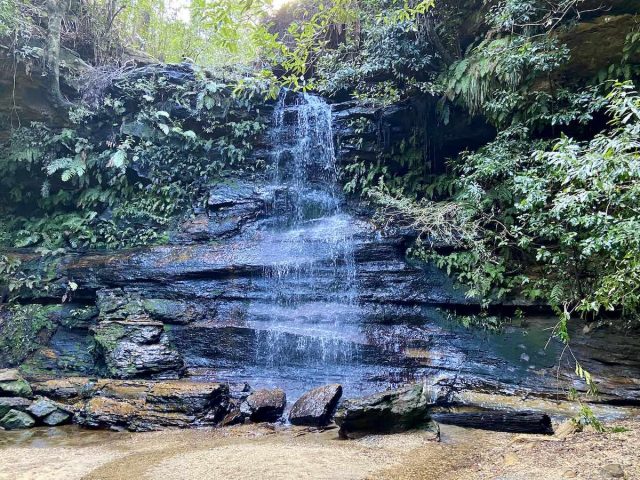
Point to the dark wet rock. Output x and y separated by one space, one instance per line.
316 407
42 407
386 412
12 384
172 311
57 417
13 403
132 343
266 405
231 206
15 420
131 359
234 417
68 352
24 88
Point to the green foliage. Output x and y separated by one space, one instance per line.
586 418
77 188
509 63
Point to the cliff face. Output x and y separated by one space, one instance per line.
24 96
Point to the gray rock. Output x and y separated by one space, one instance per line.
12 384
172 311
129 359
266 405
15 420
612 470
316 407
58 417
41 408
386 412
15 403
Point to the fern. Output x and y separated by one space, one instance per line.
70 167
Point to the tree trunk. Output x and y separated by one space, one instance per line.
55 11
499 421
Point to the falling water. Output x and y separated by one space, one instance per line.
305 325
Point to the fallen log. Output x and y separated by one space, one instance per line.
499 421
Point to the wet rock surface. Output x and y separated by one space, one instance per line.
16 420
131 342
316 407
266 405
385 412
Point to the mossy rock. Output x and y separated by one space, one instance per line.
13 403
16 420
171 311
13 385
24 329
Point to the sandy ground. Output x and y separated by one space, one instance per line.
257 452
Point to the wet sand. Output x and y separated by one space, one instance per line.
259 452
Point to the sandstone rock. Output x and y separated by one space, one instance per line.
101 412
186 397
142 405
266 405
15 419
612 470
131 342
386 412
567 428
42 407
57 417
66 388
12 384
15 403
316 407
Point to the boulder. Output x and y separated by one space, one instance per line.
13 403
15 419
57 417
102 412
143 405
42 407
386 412
316 407
13 385
266 405
187 397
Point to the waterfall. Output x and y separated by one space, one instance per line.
313 289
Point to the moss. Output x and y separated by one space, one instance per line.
25 328
108 335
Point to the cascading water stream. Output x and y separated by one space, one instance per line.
315 241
